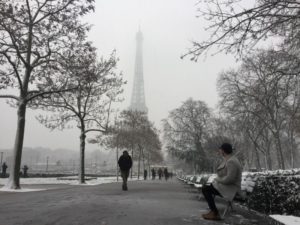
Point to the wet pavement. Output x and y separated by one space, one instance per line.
146 203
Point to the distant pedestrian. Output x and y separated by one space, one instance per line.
153 173
4 168
145 174
125 164
25 169
160 173
166 174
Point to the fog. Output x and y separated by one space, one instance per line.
168 27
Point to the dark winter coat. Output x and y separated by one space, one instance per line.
125 162
4 167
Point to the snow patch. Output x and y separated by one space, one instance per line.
20 190
72 180
287 220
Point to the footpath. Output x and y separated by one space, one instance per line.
146 203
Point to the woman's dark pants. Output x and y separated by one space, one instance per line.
209 193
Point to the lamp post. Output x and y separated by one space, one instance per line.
47 164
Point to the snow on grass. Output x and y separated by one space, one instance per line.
287 220
99 180
72 180
20 190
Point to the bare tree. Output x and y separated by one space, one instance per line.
239 25
185 131
32 35
226 128
89 105
136 133
260 92
291 109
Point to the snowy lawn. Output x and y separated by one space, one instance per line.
62 180
287 220
21 190
72 180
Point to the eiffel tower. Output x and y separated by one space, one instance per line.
138 102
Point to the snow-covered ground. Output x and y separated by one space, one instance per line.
62 180
72 180
287 220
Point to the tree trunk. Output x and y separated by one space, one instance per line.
132 167
268 153
269 160
194 163
149 171
292 158
292 147
139 163
200 155
266 161
81 175
14 176
117 155
258 166
247 160
279 151
143 160
251 160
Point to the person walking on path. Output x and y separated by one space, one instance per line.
153 173
25 169
145 174
226 184
166 174
160 172
125 164
4 168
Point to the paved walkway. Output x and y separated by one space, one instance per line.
146 203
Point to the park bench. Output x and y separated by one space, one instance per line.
192 180
188 179
201 180
198 184
181 178
229 202
229 207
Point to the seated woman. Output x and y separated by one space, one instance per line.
227 182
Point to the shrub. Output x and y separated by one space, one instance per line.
275 194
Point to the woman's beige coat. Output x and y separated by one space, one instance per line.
228 181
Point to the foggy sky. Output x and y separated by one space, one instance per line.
168 26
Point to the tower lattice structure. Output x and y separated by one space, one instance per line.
138 101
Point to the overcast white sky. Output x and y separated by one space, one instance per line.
168 27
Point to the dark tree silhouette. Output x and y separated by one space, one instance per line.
185 131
